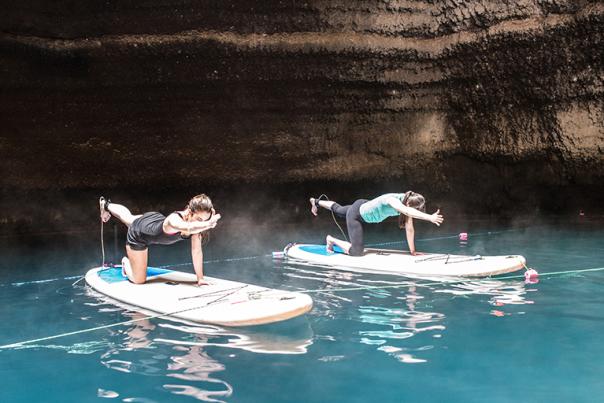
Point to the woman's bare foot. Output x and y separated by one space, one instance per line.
329 244
126 268
313 206
105 215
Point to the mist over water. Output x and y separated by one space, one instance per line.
390 338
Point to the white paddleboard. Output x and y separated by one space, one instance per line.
385 261
222 302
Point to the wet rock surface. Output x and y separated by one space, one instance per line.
491 105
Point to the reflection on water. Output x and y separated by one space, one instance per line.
392 325
195 365
188 354
248 339
110 394
187 358
136 336
192 365
501 292
398 317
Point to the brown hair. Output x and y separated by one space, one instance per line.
199 203
413 200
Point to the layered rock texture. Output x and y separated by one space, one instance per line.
493 102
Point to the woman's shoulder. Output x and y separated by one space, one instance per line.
387 196
172 219
177 214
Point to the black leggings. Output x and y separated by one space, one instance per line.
354 225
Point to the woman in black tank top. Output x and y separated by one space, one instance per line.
154 228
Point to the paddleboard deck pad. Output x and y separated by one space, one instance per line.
222 302
386 261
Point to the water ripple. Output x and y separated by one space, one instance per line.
109 394
501 292
195 365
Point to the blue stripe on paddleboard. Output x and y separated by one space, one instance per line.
114 274
320 249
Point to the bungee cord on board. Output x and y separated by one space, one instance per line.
324 197
102 245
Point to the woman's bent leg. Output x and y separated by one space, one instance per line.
338 210
331 241
122 213
326 204
354 226
138 263
355 232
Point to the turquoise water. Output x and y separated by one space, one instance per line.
495 340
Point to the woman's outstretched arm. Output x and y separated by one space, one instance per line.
194 227
435 218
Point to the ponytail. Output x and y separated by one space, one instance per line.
413 200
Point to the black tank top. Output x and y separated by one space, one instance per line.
149 230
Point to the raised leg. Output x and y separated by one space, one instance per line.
338 210
122 213
326 204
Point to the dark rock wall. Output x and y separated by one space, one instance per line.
493 103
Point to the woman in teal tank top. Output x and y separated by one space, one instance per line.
407 206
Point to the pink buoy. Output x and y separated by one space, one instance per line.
531 276
463 236
278 255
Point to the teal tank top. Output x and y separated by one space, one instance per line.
378 209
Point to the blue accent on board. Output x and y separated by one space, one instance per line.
114 274
320 249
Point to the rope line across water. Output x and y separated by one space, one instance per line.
237 259
92 329
345 289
